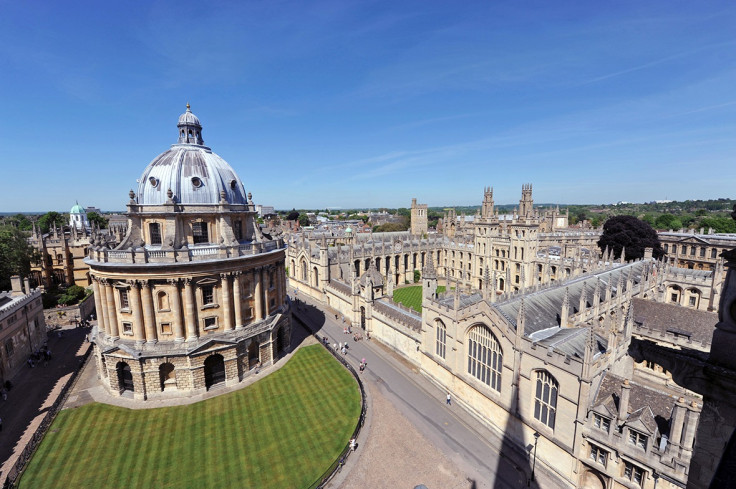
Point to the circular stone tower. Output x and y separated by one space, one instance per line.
194 296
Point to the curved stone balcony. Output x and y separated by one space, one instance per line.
182 255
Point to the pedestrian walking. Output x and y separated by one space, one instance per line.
449 399
344 351
352 444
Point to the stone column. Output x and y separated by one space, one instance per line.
137 307
691 425
236 300
258 295
226 301
149 317
111 319
98 305
189 304
280 285
176 306
678 419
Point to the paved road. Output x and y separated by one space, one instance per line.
473 448
35 390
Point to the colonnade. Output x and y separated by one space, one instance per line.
142 311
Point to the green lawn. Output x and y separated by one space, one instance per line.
412 296
282 431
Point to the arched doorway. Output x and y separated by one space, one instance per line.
362 317
592 480
125 377
280 343
253 354
167 376
214 370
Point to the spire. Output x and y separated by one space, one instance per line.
493 286
583 299
564 313
520 318
623 255
486 283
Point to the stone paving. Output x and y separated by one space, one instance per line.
35 390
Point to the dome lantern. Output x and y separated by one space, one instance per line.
190 130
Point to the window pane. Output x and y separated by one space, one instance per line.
536 409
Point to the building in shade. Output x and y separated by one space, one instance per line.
194 295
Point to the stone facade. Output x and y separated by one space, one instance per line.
194 295
418 218
22 327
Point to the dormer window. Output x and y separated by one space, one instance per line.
638 439
196 182
601 422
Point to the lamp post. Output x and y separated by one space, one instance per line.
534 464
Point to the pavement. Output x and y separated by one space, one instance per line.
413 437
35 390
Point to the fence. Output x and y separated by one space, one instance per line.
337 465
16 470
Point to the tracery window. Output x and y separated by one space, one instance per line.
485 357
441 345
545 403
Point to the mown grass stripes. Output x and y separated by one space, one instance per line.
412 296
282 431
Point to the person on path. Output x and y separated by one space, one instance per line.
449 399
352 444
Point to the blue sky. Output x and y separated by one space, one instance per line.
356 104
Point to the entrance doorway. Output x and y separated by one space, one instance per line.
362 317
125 377
214 370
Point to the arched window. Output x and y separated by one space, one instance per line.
545 402
441 346
485 357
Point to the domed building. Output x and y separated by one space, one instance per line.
78 218
194 296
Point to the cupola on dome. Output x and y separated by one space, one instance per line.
191 170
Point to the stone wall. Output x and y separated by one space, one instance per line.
64 316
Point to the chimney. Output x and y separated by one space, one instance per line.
27 283
16 285
648 252
623 402
677 421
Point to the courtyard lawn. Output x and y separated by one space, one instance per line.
412 296
282 431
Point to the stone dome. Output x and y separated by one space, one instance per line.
192 171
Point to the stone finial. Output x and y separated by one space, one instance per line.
131 194
250 198
170 194
223 196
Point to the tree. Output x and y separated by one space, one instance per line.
46 221
303 220
97 219
293 215
15 255
628 232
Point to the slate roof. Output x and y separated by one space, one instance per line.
663 318
652 407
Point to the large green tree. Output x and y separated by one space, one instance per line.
15 255
46 221
97 219
628 232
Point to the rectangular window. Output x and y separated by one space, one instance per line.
714 253
208 294
238 230
674 298
154 230
633 473
597 454
666 248
199 232
441 344
601 422
692 301
638 439
128 328
124 302
249 312
210 323
9 347
165 328
702 252
692 250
